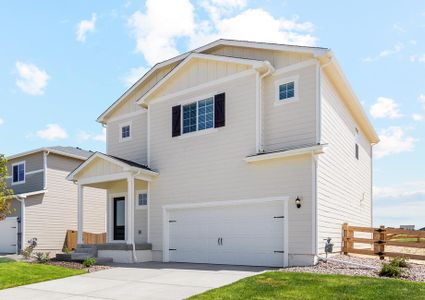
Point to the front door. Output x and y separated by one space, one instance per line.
119 218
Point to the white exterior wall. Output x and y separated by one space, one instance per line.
210 167
343 183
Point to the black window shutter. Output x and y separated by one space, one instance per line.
176 115
219 110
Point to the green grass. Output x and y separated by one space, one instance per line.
13 273
409 240
280 285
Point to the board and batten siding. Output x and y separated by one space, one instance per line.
135 148
211 167
293 123
343 182
33 181
48 216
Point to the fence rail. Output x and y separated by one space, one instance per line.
384 242
88 238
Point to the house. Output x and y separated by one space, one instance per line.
45 203
407 227
237 152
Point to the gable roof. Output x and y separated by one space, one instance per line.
73 152
124 163
317 51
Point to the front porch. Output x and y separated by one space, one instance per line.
127 220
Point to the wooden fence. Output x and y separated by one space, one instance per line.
88 238
384 242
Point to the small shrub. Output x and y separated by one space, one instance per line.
399 262
89 261
42 257
389 270
27 252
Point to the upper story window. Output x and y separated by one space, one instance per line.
286 90
199 115
125 131
142 199
18 173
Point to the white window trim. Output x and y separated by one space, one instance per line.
128 123
197 131
138 206
285 80
25 170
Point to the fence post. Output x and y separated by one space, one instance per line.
345 238
382 238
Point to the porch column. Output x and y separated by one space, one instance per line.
80 214
130 210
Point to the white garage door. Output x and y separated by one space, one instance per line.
8 235
249 234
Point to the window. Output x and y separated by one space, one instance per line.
125 131
18 171
287 90
142 199
356 150
198 115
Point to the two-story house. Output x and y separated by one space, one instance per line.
45 203
237 152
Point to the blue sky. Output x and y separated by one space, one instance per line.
63 63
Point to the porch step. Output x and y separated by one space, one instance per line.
81 256
87 249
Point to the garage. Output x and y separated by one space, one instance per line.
238 233
8 235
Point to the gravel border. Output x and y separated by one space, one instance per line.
78 266
358 266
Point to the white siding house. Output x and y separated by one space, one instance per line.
208 152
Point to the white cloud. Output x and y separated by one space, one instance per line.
52 132
133 75
85 136
421 99
385 53
418 58
156 30
418 117
385 108
32 80
393 140
1 121
84 27
399 28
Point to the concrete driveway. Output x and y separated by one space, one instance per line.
138 281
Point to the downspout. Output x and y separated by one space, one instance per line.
133 243
21 199
45 154
259 105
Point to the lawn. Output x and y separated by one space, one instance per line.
281 285
14 273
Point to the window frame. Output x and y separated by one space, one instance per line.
25 170
286 80
121 126
197 131
138 206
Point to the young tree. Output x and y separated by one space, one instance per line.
5 193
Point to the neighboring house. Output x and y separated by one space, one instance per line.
45 203
237 152
407 227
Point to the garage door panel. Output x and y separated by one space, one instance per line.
240 234
8 235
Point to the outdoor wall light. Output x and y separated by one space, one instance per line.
298 202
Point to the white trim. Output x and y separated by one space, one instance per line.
314 206
80 215
286 153
111 217
23 162
103 178
295 67
295 79
166 210
148 138
257 113
197 133
130 131
138 206
149 214
9 158
34 172
25 195
318 104
205 85
254 63
128 115
45 154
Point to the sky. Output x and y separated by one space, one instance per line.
62 63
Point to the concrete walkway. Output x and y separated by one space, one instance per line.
138 281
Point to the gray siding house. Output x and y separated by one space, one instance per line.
45 203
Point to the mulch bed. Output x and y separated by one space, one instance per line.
78 266
364 266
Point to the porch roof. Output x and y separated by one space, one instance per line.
103 167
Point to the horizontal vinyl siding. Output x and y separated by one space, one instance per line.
33 182
48 216
342 179
211 167
294 123
134 149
